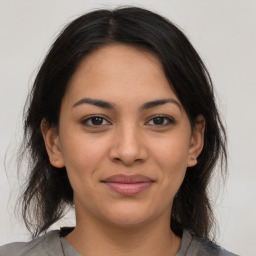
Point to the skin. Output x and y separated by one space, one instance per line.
126 139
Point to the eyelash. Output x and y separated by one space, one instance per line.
166 118
85 122
167 121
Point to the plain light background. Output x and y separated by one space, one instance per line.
224 34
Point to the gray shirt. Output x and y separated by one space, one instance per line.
52 244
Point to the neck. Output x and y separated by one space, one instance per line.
151 239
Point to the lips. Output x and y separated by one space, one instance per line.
128 185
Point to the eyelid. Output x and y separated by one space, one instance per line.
170 119
87 118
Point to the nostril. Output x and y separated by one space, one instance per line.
127 150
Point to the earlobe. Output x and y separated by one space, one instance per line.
52 144
196 141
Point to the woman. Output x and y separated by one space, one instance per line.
121 124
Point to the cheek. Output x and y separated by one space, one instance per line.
171 157
172 151
82 156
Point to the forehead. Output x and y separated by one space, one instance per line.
117 71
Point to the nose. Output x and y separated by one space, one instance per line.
128 146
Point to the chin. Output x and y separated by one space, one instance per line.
128 217
129 223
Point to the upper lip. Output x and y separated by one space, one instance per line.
121 178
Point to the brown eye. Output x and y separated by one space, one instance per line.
95 121
160 121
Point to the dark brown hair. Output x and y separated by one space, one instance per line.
48 191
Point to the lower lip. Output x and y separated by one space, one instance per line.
128 189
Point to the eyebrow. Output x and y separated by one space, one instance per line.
108 105
95 102
159 102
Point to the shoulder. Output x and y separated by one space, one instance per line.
203 247
48 244
206 247
12 248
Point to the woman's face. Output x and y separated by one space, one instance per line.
123 137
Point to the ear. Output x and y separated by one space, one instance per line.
52 144
196 141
